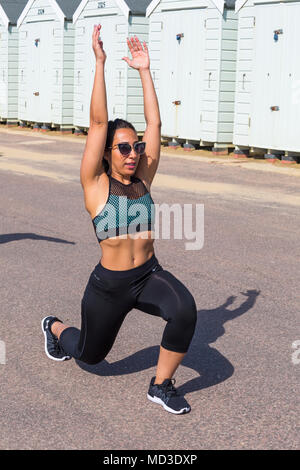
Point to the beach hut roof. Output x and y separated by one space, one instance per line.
68 7
64 9
10 10
230 4
135 7
138 7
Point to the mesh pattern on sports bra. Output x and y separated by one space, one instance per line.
134 190
129 209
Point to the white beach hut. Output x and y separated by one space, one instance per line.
267 107
193 54
9 13
119 19
46 64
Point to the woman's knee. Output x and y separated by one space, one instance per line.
94 352
92 359
179 304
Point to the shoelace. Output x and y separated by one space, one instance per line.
57 346
169 389
55 343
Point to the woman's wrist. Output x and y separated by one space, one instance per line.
144 70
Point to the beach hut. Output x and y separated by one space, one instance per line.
267 111
193 54
119 19
9 38
46 64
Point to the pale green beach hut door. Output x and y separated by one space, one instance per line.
190 72
169 64
181 60
268 61
40 69
33 82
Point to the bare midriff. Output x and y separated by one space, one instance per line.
126 252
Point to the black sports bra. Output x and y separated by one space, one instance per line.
129 209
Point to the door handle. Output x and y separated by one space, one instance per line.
36 93
209 76
176 102
244 75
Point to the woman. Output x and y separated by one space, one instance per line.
117 168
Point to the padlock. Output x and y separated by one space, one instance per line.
276 33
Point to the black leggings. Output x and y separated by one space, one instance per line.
110 295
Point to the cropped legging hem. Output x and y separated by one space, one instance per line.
173 349
69 339
110 295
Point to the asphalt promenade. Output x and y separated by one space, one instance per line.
241 373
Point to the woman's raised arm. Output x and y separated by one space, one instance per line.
91 164
148 163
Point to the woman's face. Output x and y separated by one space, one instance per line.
123 165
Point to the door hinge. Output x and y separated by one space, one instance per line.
254 19
249 121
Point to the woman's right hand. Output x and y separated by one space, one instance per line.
98 45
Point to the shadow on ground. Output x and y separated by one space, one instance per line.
11 237
212 366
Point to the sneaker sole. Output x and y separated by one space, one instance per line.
160 402
65 358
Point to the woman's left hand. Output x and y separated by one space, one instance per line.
140 57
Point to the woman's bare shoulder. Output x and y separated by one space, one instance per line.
96 195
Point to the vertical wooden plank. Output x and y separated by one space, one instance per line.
245 75
3 71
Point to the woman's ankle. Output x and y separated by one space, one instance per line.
55 328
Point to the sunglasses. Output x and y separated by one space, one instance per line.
125 148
